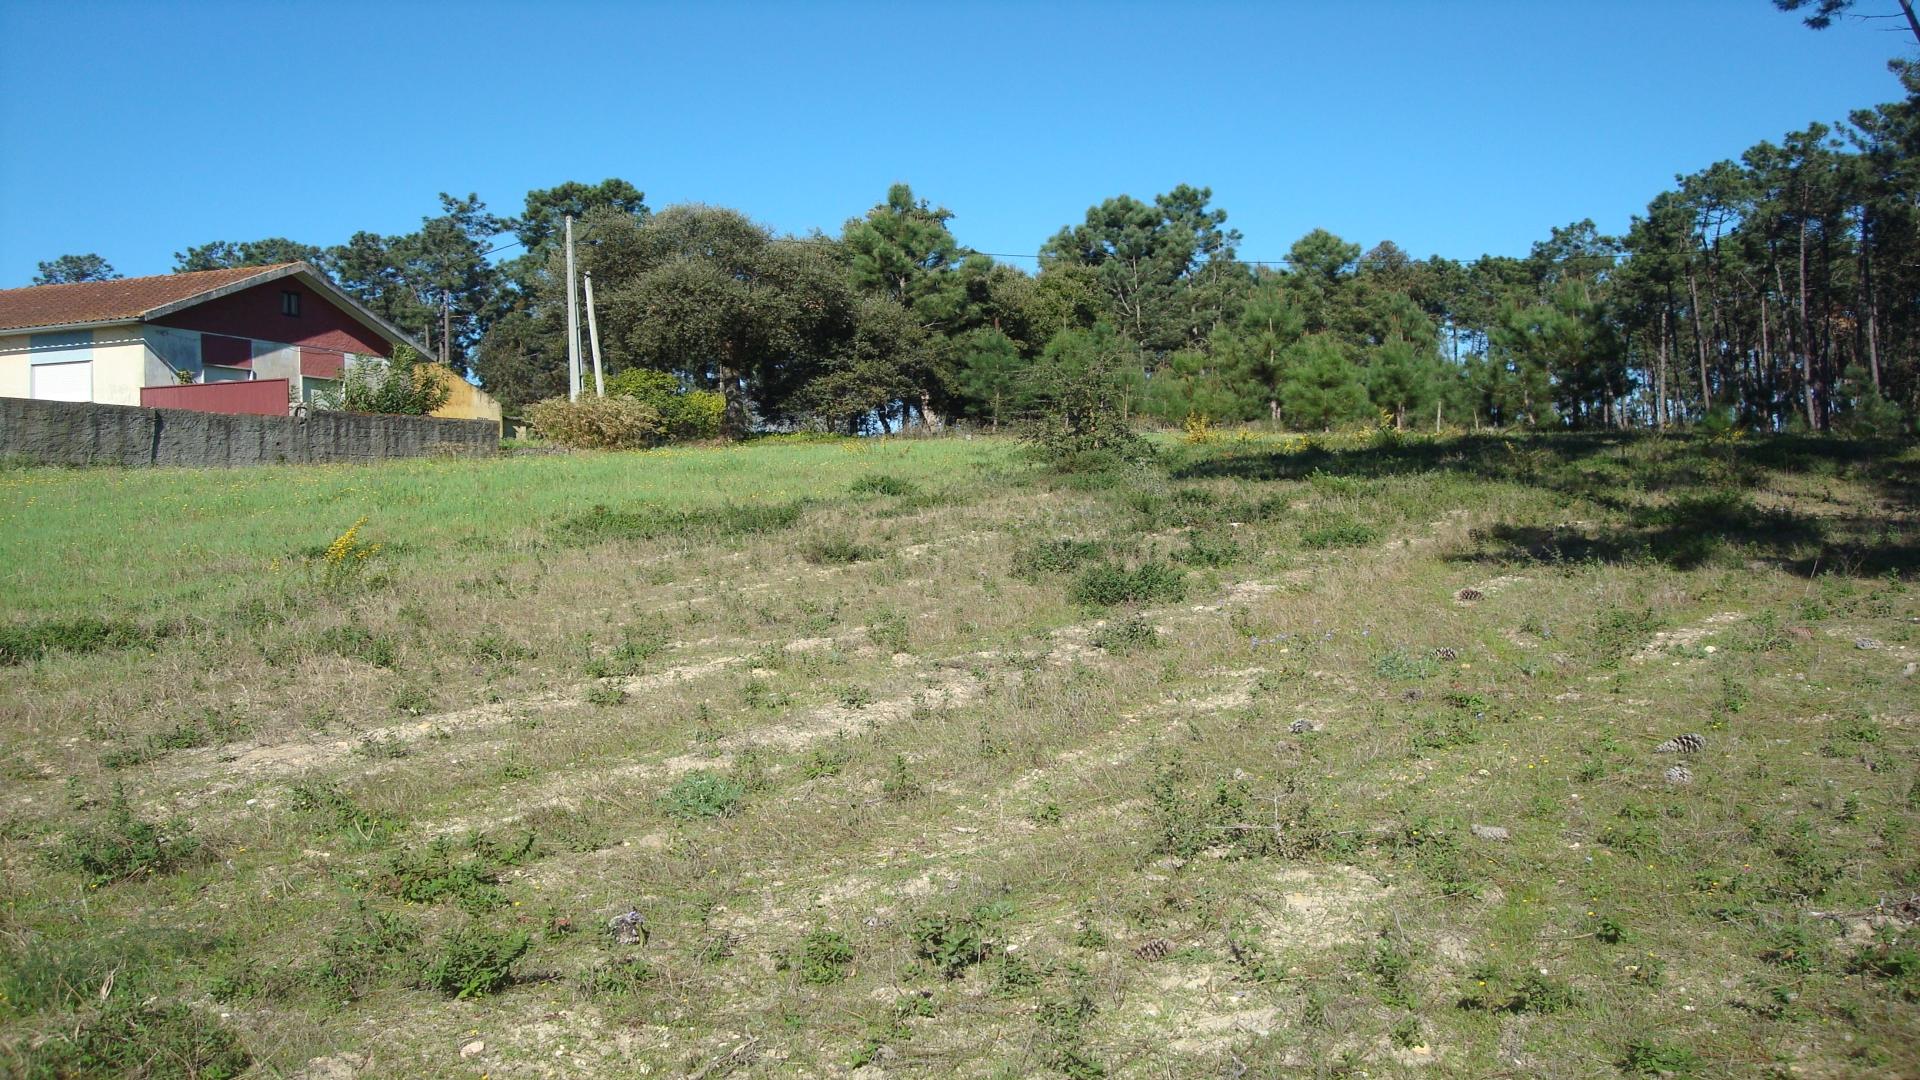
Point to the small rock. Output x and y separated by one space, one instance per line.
1490 832
473 1048
1910 669
1303 725
1865 643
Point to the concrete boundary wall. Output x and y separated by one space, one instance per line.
81 433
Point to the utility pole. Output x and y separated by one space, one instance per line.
593 336
573 321
446 323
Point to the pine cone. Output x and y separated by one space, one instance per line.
1446 654
1682 744
1679 774
1469 595
1157 949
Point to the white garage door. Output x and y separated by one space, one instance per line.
63 382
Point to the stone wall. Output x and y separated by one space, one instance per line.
78 433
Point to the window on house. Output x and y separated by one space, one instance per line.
289 303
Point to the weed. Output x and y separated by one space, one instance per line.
900 784
337 811
412 700
1209 550
467 874
174 1042
629 657
889 630
355 642
882 484
493 648
950 943
473 961
825 761
123 846
1336 530
622 977
834 549
362 953
383 747
25 642
701 794
824 957
601 524
1659 1059
1106 585
1035 560
606 693
1127 635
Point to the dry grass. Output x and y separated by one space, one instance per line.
1228 833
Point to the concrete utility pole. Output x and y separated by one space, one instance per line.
573 321
593 336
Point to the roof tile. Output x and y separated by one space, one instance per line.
103 301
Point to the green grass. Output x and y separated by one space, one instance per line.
919 756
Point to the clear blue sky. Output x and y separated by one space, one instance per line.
136 129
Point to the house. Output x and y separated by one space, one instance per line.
101 341
465 401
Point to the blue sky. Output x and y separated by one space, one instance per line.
136 129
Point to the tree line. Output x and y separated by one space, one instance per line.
1779 290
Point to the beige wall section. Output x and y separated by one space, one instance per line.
465 401
119 365
16 380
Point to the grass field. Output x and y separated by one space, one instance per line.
1276 757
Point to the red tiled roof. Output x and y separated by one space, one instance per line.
106 301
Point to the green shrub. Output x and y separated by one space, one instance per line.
24 642
473 961
363 953
628 657
1031 561
823 958
406 385
597 423
1655 1059
701 794
1151 582
1206 549
123 846
467 874
684 414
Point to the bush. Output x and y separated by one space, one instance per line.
684 414
834 549
1126 635
1872 416
406 385
597 423
474 961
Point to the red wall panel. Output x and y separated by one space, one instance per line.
255 313
258 397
